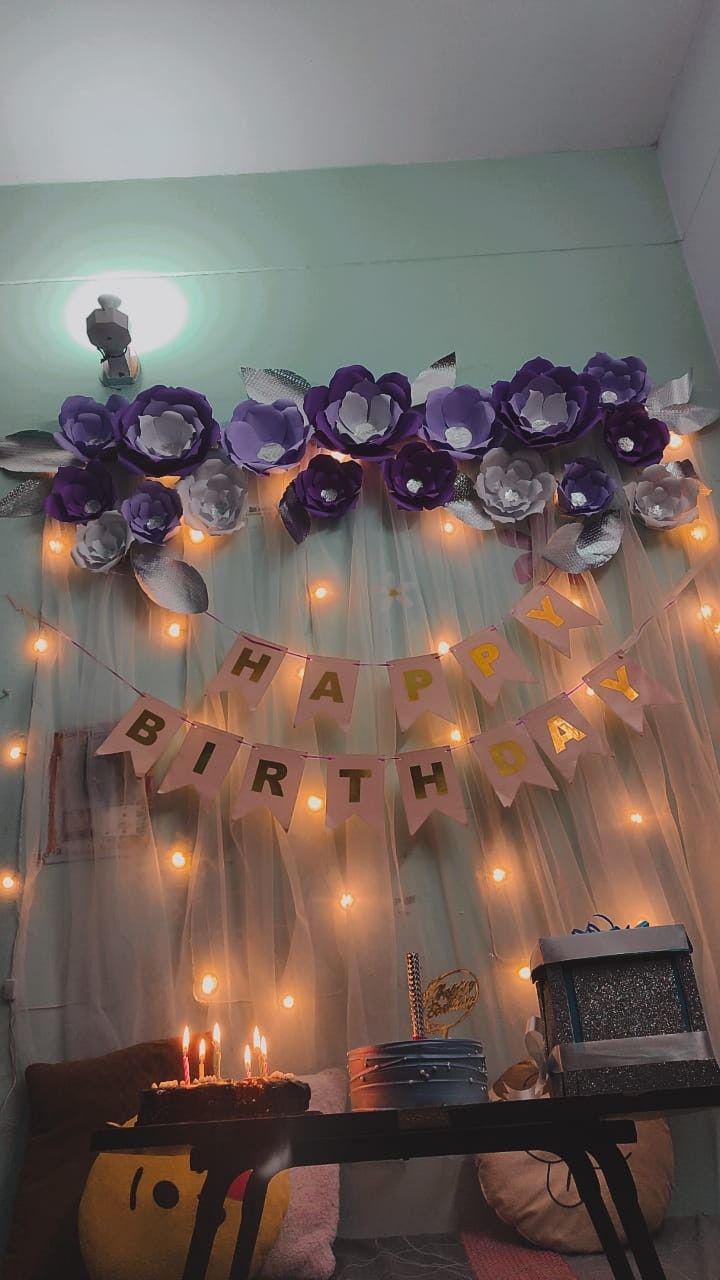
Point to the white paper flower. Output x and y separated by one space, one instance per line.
663 497
215 497
102 543
513 486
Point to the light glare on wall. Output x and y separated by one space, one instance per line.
157 308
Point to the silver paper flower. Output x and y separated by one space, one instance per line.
215 497
102 543
513 486
663 498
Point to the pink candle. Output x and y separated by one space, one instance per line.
185 1058
247 1058
201 1063
264 1055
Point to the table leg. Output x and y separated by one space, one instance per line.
209 1216
252 1212
581 1168
621 1186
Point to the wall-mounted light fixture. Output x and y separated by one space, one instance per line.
108 328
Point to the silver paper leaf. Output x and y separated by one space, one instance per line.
171 583
442 373
688 418
267 385
577 547
465 504
683 468
676 391
27 498
32 451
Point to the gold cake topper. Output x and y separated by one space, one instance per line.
443 999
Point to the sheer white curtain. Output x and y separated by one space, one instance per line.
113 942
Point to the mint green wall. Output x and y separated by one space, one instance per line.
501 260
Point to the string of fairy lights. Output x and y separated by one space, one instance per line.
40 648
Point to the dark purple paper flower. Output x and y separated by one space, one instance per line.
165 431
585 488
153 512
328 488
265 437
546 404
80 494
632 436
417 478
460 420
622 381
86 427
361 416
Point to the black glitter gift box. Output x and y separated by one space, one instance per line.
621 1012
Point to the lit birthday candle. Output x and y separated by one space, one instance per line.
185 1058
256 1053
264 1055
201 1062
247 1058
217 1055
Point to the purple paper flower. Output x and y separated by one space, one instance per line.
80 494
328 488
86 426
622 381
265 437
361 416
165 431
585 488
632 436
460 420
153 512
546 404
419 479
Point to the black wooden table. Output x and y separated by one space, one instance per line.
577 1130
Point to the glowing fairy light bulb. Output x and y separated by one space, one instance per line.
178 859
14 752
456 735
636 819
524 972
705 611
443 647
288 1002
499 874
675 440
320 592
314 804
209 984
347 900
40 645
9 882
196 535
698 531
55 546
449 526
173 630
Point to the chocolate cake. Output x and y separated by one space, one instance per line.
173 1103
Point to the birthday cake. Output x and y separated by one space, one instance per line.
175 1103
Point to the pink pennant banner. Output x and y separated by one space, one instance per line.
272 780
355 788
563 734
508 757
552 617
418 685
328 688
145 731
626 689
202 762
429 784
488 661
250 668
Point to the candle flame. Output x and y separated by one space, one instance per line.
263 1047
256 1038
247 1058
216 1033
186 1040
201 1050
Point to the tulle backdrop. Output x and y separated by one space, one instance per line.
559 255
259 908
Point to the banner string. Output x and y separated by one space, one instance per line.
628 643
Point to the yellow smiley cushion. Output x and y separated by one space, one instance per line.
138 1209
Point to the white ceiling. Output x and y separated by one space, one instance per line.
158 88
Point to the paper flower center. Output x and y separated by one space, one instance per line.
510 496
155 522
270 452
458 437
609 397
328 495
625 444
578 499
92 507
414 486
